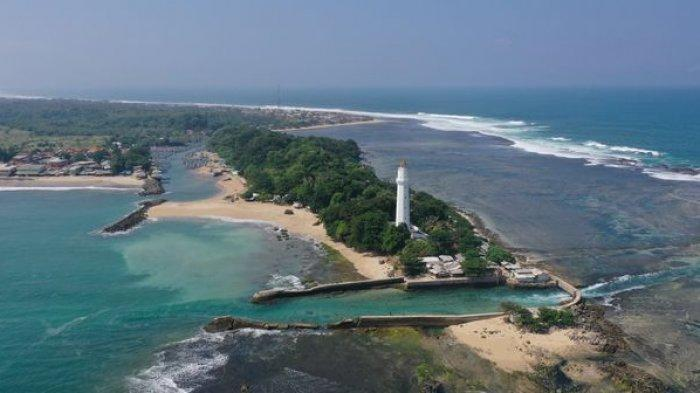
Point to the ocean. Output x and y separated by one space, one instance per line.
656 129
601 184
84 312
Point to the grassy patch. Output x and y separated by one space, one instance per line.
29 141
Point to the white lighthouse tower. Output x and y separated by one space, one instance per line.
403 197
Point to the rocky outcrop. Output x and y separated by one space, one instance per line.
633 379
152 186
610 337
134 218
222 324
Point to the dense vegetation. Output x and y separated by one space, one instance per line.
546 318
356 207
134 123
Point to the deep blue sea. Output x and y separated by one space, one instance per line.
600 184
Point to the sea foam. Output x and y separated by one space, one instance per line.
514 130
183 367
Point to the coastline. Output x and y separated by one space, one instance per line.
513 350
492 338
301 223
322 126
72 182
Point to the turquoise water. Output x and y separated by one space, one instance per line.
625 234
84 312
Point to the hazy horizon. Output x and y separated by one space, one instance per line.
78 44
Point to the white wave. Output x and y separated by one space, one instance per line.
182 368
670 175
594 153
285 282
48 188
595 144
622 149
626 149
625 283
255 333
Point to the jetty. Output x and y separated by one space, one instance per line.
134 218
271 294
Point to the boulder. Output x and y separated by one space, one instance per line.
152 186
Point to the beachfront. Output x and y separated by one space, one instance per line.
502 343
128 182
302 223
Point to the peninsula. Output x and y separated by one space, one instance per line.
318 188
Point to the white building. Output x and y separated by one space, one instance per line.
403 197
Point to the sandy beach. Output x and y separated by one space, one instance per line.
513 350
72 181
301 223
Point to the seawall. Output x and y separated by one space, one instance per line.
408 284
482 281
271 294
567 287
227 323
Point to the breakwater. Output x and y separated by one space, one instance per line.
228 323
134 218
271 294
569 288
482 281
403 282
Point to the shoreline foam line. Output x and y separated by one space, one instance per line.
593 152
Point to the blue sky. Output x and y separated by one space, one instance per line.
228 44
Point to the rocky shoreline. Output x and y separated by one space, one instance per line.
152 186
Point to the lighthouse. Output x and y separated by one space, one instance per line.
403 196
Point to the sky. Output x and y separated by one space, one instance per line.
318 43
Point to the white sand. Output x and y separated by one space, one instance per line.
513 350
73 181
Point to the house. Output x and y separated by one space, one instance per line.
56 162
7 170
21 158
510 266
30 170
530 276
443 266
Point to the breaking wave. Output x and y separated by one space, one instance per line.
607 290
521 134
285 282
516 131
182 367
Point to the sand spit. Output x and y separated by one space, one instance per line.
72 182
